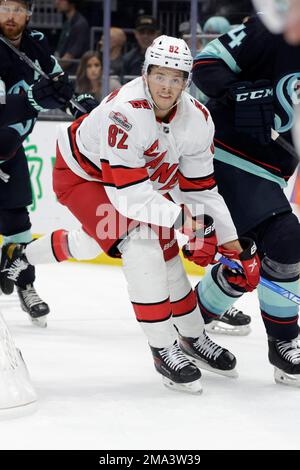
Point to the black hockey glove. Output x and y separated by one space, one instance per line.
87 101
254 109
50 94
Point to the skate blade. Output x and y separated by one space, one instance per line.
281 377
41 322
221 328
191 387
203 365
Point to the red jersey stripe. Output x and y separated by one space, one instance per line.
294 320
185 305
152 312
59 244
247 156
120 176
196 184
89 167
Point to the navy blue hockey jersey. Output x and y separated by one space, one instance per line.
250 177
18 76
249 53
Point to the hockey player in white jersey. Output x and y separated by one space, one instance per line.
114 171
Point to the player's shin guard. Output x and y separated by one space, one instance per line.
50 248
185 310
215 295
61 245
145 271
280 317
279 314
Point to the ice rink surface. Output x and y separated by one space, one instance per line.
98 389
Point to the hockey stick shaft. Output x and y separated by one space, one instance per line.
264 282
284 144
35 67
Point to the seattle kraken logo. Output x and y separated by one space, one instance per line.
17 89
287 92
20 88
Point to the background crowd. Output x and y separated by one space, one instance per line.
78 41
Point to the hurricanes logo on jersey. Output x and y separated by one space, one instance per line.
160 171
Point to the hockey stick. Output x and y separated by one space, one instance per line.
264 282
284 144
35 67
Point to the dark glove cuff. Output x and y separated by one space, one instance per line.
249 248
209 227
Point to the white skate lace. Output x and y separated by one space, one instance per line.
232 312
30 296
173 357
15 269
207 347
289 350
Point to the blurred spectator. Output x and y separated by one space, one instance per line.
185 33
89 76
117 41
216 26
146 30
74 37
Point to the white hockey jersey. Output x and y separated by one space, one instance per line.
139 158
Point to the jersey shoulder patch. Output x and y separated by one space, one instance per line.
120 119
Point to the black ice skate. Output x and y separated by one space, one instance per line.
7 257
285 357
32 304
208 355
16 269
232 322
177 371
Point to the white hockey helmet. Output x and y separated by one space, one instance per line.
167 51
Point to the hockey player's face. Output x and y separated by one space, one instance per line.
165 86
13 18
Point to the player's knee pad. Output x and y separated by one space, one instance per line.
281 243
280 271
82 246
144 266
